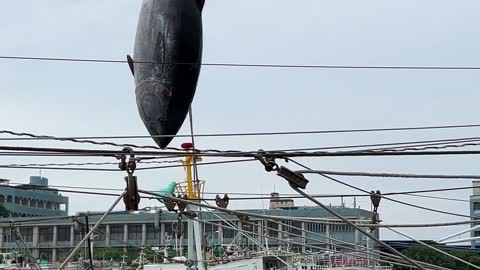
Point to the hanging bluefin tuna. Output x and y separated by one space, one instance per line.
166 64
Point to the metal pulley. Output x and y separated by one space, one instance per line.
170 204
375 197
222 202
131 197
268 162
182 205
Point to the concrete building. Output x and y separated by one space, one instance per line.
53 239
280 203
33 199
475 211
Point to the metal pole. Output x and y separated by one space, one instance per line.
234 212
70 256
396 252
27 250
470 239
459 233
89 243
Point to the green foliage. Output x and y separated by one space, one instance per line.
428 255
108 254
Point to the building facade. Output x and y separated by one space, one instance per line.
53 239
475 211
33 199
279 203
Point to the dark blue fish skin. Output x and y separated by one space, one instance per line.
169 33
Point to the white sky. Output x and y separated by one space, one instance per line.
84 99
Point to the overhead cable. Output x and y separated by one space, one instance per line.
355 226
392 175
279 239
259 196
241 65
436 249
383 196
63 168
235 153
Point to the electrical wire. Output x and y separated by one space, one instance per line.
280 218
281 196
436 249
88 163
384 197
394 145
392 175
89 141
439 198
235 153
349 245
61 168
236 134
277 239
240 65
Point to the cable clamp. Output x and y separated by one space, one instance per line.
268 162
296 180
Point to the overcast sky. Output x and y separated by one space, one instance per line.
85 99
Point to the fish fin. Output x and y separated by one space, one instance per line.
201 3
130 64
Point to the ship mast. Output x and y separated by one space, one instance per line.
195 250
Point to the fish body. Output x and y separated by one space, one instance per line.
166 64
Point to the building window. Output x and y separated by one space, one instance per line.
27 233
228 233
291 227
151 233
100 233
169 229
9 199
274 229
116 232
45 234
476 234
184 230
476 206
63 233
7 236
2 199
315 227
135 232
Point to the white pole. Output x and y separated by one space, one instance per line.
198 243
72 253
459 233
470 239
